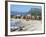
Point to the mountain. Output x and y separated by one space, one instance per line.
36 11
33 11
19 13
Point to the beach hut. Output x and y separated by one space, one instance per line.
38 17
28 17
33 17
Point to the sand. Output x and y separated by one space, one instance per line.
30 25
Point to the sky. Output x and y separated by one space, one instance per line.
22 8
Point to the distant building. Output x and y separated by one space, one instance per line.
27 17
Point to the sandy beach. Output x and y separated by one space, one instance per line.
30 25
